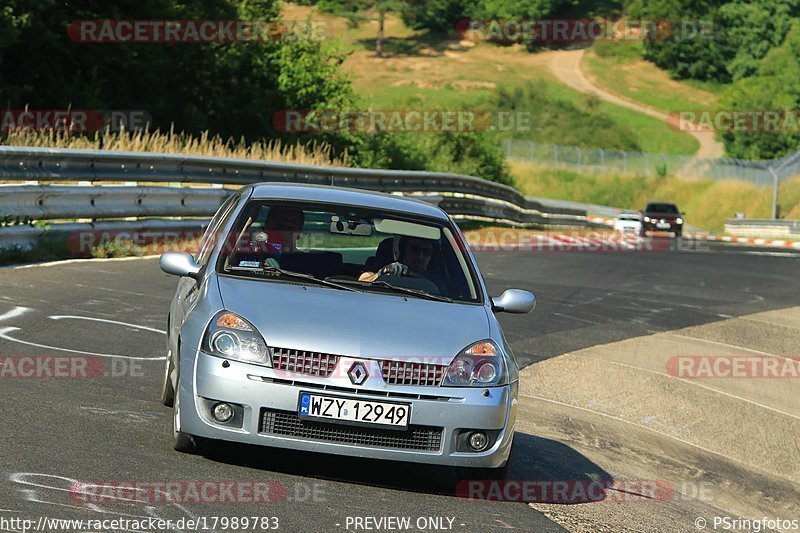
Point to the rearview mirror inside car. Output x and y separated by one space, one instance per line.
348 227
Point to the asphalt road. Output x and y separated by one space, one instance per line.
113 428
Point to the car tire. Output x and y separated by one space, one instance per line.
485 474
678 233
167 390
184 442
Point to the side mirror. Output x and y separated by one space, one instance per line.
179 264
514 301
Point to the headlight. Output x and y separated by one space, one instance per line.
232 337
479 365
647 219
679 220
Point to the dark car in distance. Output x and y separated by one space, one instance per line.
662 216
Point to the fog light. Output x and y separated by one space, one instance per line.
478 441
223 412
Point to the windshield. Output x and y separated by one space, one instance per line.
352 246
662 208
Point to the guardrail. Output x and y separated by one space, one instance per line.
762 228
464 197
52 202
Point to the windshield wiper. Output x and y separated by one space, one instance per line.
414 292
291 274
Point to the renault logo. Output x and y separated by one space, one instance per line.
358 373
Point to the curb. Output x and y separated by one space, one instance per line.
769 243
747 240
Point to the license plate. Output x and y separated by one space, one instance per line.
347 410
662 225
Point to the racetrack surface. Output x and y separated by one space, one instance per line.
113 428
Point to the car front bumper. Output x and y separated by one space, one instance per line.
446 413
662 226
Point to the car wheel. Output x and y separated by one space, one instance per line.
679 233
485 474
167 390
184 442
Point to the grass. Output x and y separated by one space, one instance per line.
423 73
705 203
178 143
619 68
57 246
46 248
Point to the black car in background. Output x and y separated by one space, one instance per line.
662 216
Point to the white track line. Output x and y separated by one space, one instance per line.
748 465
690 382
97 287
5 331
721 344
14 313
74 317
575 318
71 261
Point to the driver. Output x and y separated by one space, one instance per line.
415 257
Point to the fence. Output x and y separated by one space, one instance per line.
652 164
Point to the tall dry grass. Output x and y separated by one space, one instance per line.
179 143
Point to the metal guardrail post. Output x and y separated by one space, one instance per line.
774 193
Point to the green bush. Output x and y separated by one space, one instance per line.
477 154
776 86
712 39
557 121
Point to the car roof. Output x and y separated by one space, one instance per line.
345 195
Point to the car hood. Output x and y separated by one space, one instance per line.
665 216
366 325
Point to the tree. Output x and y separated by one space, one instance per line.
230 89
775 87
721 40
358 11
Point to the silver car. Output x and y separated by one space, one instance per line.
340 321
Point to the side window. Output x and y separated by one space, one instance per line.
210 236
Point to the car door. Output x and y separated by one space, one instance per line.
188 288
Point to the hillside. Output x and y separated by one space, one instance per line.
417 71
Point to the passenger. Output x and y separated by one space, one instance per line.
283 227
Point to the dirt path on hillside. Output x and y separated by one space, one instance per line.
565 65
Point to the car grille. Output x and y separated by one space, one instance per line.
407 373
311 363
424 438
